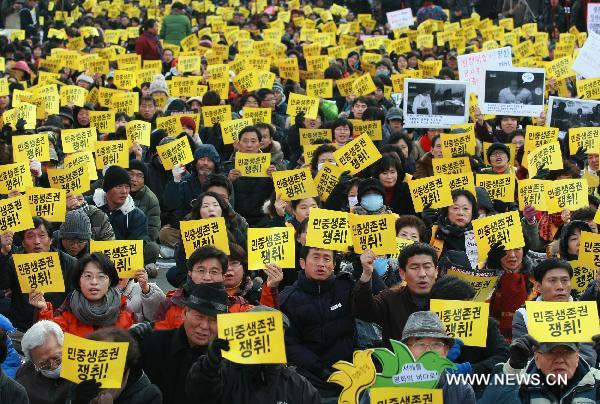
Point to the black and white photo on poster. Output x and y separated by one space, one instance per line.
565 113
516 91
434 103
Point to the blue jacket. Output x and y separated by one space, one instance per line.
321 330
128 222
13 359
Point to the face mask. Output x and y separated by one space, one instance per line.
320 165
381 265
51 374
383 73
352 201
372 202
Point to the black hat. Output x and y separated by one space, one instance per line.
548 346
207 298
138 165
370 184
176 105
155 137
89 106
115 176
66 112
497 146
453 259
53 123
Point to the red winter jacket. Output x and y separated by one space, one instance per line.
148 47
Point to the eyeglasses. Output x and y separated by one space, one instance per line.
205 271
50 363
100 277
75 241
136 175
434 346
235 264
563 353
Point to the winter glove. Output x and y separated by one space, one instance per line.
20 126
462 369
529 213
429 215
496 253
36 168
455 350
521 350
580 157
178 172
6 134
214 353
86 391
542 173
140 330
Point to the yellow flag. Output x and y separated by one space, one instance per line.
374 232
587 138
566 194
252 164
127 255
16 176
503 228
406 395
273 245
536 136
75 180
291 185
39 271
15 214
326 179
357 155
483 283
532 192
175 152
452 165
198 233
103 121
562 321
498 186
231 129
214 115
465 320
254 337
51 204
112 152
431 192
329 229
84 359
548 156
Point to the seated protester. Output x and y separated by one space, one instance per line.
144 199
505 127
35 240
74 234
371 196
498 155
128 222
10 391
471 360
101 228
135 388
292 150
215 380
391 307
268 145
407 149
95 302
318 305
168 355
42 346
143 298
13 359
552 361
390 172
220 184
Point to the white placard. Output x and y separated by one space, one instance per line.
434 103
400 18
593 18
472 66
587 62
515 91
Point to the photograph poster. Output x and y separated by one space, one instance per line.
515 91
435 103
565 113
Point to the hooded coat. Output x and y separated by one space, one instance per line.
128 222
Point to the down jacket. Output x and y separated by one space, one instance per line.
128 222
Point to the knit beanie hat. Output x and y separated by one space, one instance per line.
207 150
138 165
76 226
115 176
159 84
189 122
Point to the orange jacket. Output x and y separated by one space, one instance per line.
71 324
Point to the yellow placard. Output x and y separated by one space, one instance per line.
75 180
503 228
73 95
589 246
138 131
125 102
273 245
213 115
127 255
452 165
124 79
562 321
4 89
311 136
374 232
31 147
498 186
254 337
431 192
103 121
460 181
15 214
548 156
357 155
51 204
230 130
16 176
291 185
587 138
252 164
112 152
589 89
566 194
322 88
582 276
258 115
85 158
483 283
175 152
189 64
198 233
326 179
532 192
329 229
371 128
406 395
76 140
536 136
298 103
560 68
170 124
84 359
246 81
457 144
39 271
465 320
363 85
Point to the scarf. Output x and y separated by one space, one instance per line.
103 314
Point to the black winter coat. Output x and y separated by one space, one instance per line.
322 325
250 195
157 182
484 359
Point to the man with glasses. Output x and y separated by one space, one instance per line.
74 234
42 346
498 155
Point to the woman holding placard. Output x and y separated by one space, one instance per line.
95 302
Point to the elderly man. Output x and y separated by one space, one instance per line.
42 346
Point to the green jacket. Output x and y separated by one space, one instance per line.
174 28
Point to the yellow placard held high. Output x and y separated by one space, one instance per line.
503 228
298 103
103 121
76 140
357 155
456 144
326 179
84 359
452 165
566 194
175 152
548 156
460 181
85 158
483 283
39 271
254 337
371 128
112 152
310 136
431 192
291 185
15 214
589 246
587 138
230 130
214 115
258 115
465 320
582 276
16 176
75 180
138 131
498 186
252 164
532 192
273 245
127 255
374 232
51 204
562 321
75 95
31 147
329 229
536 136
198 233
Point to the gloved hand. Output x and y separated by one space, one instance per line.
580 157
86 391
140 330
542 173
345 178
429 215
20 126
529 213
178 172
214 353
496 253
462 369
6 134
36 168
521 350
455 350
